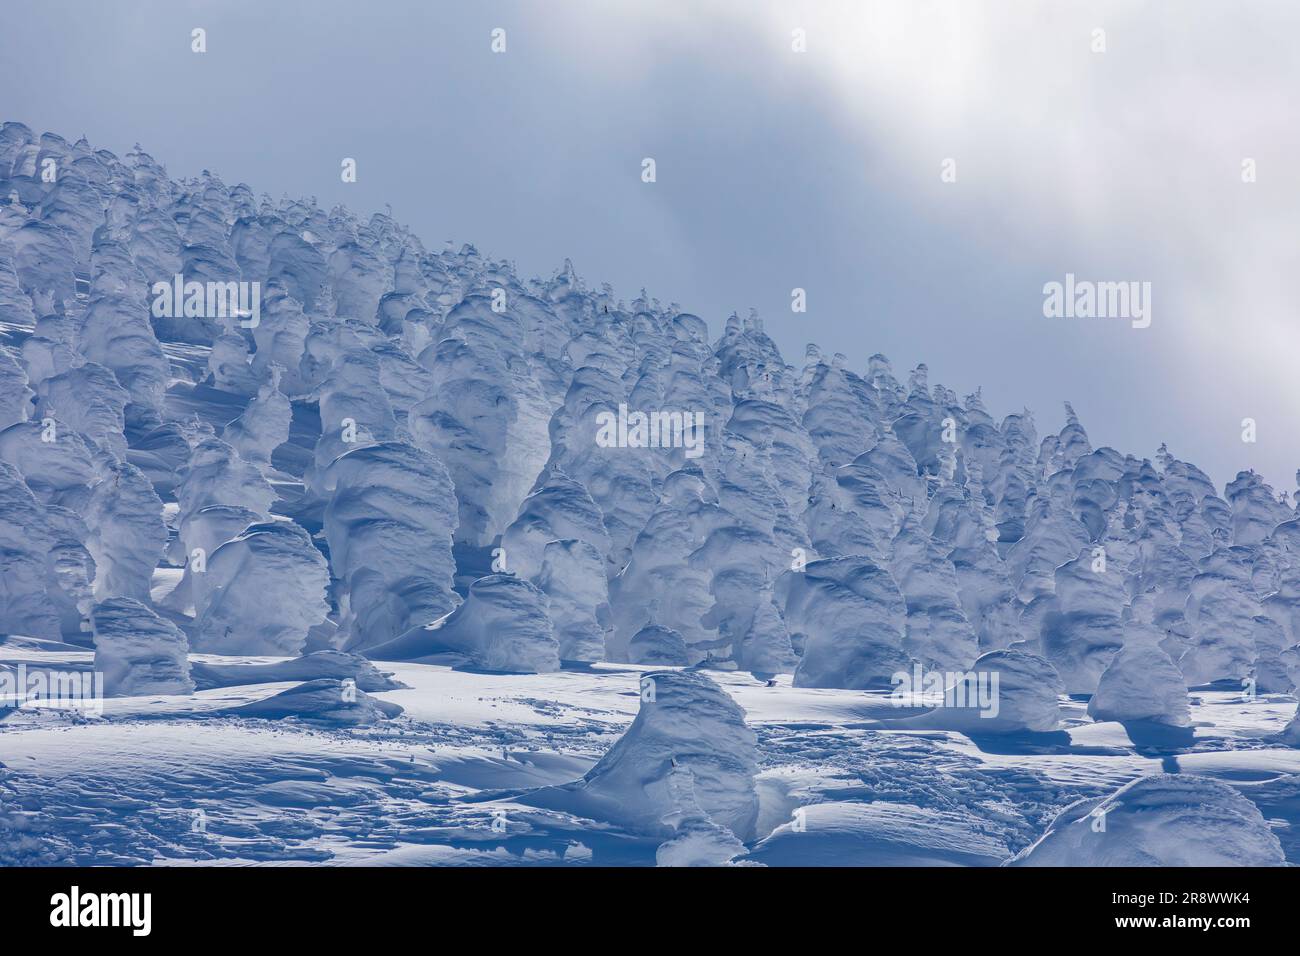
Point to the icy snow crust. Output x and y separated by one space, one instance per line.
629 652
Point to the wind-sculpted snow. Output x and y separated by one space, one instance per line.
658 646
838 406
235 615
660 584
115 334
87 399
1256 510
687 759
1161 820
264 425
746 550
503 625
318 665
849 618
698 840
321 701
1223 613
485 416
961 521
616 478
15 395
389 524
938 633
43 261
58 465
26 604
560 509
73 570
127 532
215 475
1052 537
15 304
138 652
1141 683
772 431
354 410
1083 630
1003 692
573 579
765 647
425 456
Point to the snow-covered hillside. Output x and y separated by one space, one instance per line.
388 554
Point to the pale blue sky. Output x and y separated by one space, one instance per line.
778 169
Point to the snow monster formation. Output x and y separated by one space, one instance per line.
684 771
278 428
138 652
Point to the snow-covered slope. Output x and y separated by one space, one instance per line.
231 426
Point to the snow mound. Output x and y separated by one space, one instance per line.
879 834
1161 820
318 664
1004 692
657 645
324 701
